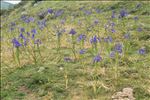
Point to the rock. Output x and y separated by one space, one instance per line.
61 68
128 91
125 94
41 69
36 4
24 13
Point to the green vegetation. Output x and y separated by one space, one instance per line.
42 73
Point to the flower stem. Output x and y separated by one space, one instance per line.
73 47
18 55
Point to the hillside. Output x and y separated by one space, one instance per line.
6 5
76 50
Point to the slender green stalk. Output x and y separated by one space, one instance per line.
38 47
95 46
13 54
116 66
58 44
73 47
66 79
34 55
82 44
95 78
18 55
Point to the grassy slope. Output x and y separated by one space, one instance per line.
27 83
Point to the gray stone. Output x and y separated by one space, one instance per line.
41 69
24 13
125 94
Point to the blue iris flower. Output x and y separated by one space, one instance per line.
31 19
12 24
27 21
22 30
96 21
87 12
113 14
94 39
50 11
99 39
16 43
135 18
62 21
108 39
127 35
41 24
142 51
34 31
139 29
33 35
112 54
82 51
112 24
123 13
113 30
38 41
58 13
97 58
11 29
81 37
22 36
98 10
118 48
28 33
72 31
67 59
